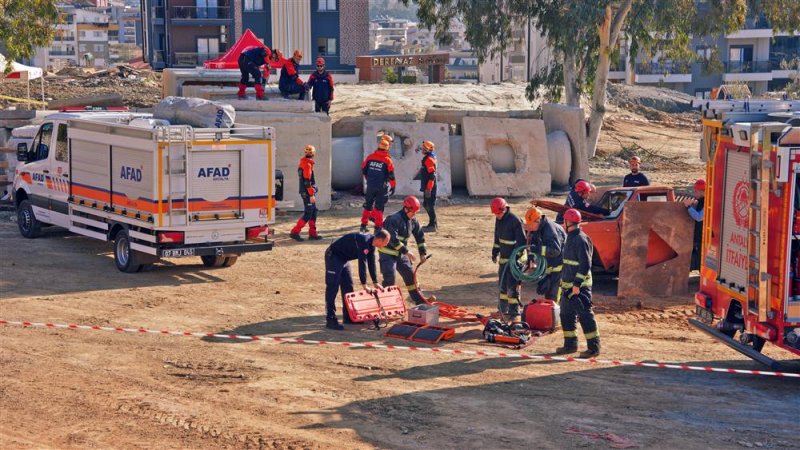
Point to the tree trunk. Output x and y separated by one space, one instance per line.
571 91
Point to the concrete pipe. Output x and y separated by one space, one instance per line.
560 155
347 154
458 173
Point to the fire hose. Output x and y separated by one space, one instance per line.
518 270
445 309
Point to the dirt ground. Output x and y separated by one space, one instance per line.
79 389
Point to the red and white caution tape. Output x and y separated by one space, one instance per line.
239 337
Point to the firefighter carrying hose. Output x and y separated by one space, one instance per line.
378 170
576 289
308 192
428 184
577 199
508 234
395 256
546 239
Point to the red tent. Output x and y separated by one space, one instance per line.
230 60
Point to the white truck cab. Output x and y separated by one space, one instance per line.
156 190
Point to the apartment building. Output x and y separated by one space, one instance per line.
81 39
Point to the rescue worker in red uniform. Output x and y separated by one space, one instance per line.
508 234
576 289
338 277
378 170
250 61
395 256
308 191
547 239
321 85
290 81
577 199
428 184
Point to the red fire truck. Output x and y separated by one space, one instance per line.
750 265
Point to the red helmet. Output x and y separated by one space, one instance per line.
700 185
499 205
573 215
411 203
320 61
583 186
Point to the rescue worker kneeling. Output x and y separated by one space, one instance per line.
508 235
576 289
401 225
546 239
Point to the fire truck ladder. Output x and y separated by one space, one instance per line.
179 145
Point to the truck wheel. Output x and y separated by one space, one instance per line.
213 261
125 258
29 227
230 260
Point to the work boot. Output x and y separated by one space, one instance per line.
333 324
312 231
259 92
594 349
296 237
242 94
430 228
364 228
570 346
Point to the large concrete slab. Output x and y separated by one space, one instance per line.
645 227
173 80
455 116
293 133
17 114
506 157
569 119
353 126
274 102
407 137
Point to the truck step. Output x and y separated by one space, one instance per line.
738 346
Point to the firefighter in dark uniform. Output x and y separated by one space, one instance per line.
290 81
577 199
508 234
308 191
338 277
428 184
321 83
546 239
696 209
576 289
395 256
378 170
250 61
635 178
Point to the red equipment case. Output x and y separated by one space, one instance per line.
363 306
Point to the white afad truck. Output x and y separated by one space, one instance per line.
156 190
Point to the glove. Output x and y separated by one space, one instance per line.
494 258
427 193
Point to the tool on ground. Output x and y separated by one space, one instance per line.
517 335
445 310
411 331
424 314
382 304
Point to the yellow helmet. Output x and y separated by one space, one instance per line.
385 145
428 146
532 215
310 150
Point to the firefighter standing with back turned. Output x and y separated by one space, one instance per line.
378 170
428 184
576 289
395 256
308 192
508 234
546 239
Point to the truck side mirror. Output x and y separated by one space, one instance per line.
22 152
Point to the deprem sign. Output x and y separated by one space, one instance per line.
130 174
215 173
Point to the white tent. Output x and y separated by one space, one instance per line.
21 72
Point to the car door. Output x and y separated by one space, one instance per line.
38 169
59 175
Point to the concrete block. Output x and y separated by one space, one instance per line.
17 114
14 123
293 132
407 137
353 126
560 153
458 175
506 157
275 102
656 248
172 80
348 153
570 120
455 116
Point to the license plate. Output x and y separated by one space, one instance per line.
178 252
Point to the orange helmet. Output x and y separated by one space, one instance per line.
411 203
583 186
387 137
428 146
297 54
384 145
320 61
499 205
532 215
310 150
573 215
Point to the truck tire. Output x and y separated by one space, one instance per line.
125 259
230 260
213 261
29 227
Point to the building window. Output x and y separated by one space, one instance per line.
97 33
253 5
82 34
327 5
82 47
326 46
98 47
704 51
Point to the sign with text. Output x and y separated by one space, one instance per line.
409 60
734 257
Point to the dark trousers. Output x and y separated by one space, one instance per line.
430 206
389 263
578 308
294 88
247 68
322 106
548 286
696 252
375 198
508 303
309 209
338 277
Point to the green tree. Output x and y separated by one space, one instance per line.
584 35
25 25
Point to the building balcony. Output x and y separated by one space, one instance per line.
617 71
62 52
747 71
663 72
63 38
158 13
200 13
188 59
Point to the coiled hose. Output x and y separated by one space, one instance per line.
517 269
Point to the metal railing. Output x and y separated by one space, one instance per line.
618 67
661 68
200 12
747 67
188 59
62 53
64 38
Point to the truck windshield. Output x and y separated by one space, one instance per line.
614 201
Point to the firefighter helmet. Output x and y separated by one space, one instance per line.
700 185
583 186
387 137
573 215
411 203
499 205
428 146
384 145
532 215
310 150
320 61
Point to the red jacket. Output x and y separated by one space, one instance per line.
378 169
